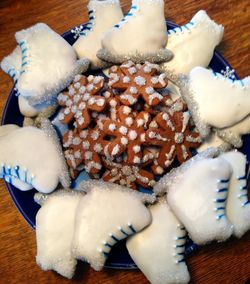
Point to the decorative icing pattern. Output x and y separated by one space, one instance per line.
127 134
174 137
134 216
128 175
137 81
81 99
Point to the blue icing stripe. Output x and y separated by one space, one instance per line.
224 180
221 200
132 228
242 178
220 216
114 238
223 189
124 233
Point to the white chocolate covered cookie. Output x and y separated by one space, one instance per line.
214 100
54 232
32 157
104 217
140 36
103 15
197 196
158 250
238 205
193 44
48 63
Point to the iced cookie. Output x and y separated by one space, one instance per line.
238 205
24 155
128 175
105 216
128 134
196 194
54 232
80 100
174 136
84 149
103 15
193 44
137 80
41 50
214 100
140 36
159 249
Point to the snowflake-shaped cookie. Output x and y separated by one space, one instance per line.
81 99
84 147
136 80
127 175
174 137
128 134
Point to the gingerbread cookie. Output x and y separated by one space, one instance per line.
175 138
136 80
81 99
127 175
128 134
84 148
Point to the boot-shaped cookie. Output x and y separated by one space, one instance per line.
48 64
193 44
55 229
106 215
32 158
196 194
159 249
214 100
238 205
140 36
102 16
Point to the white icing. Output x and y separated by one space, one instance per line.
194 197
221 102
88 242
106 15
238 207
115 150
124 141
112 127
193 44
39 80
136 149
123 130
129 121
148 20
154 249
132 134
54 233
28 148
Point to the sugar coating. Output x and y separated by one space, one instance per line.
95 247
201 186
154 249
54 232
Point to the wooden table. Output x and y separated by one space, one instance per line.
222 263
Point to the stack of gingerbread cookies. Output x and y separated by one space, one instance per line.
126 129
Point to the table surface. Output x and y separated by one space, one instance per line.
221 263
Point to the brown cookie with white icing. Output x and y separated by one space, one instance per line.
84 148
80 100
128 175
137 80
174 136
127 134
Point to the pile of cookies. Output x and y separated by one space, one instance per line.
125 129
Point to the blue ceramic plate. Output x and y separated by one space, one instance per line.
119 257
